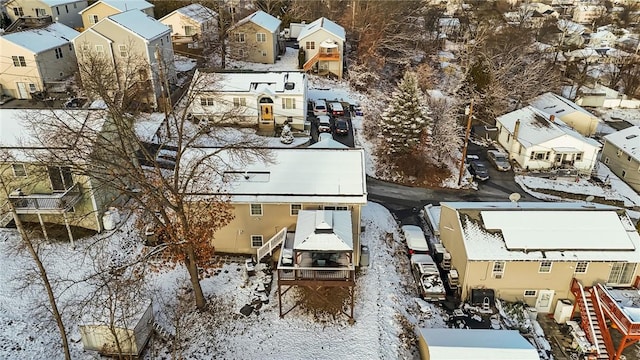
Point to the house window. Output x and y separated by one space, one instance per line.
256 210
606 160
335 207
100 50
536 155
19 61
237 102
241 53
261 37
189 30
70 47
498 269
264 53
624 173
621 273
206 101
66 8
57 10
619 153
629 158
19 170
256 241
93 19
41 12
18 11
581 267
530 293
123 50
288 103
58 53
32 87
545 266
579 156
295 209
310 45
61 179
239 37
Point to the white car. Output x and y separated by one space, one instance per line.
499 159
416 242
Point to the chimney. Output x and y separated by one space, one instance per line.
552 118
516 129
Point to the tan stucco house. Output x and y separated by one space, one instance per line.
531 252
323 44
253 98
194 24
566 110
621 153
255 38
34 59
63 11
136 45
99 10
538 141
56 192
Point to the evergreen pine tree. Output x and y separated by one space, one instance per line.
405 121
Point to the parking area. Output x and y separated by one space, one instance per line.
347 138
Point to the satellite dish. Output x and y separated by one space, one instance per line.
589 198
514 197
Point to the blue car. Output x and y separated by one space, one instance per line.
479 170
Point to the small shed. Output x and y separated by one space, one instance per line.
132 328
477 344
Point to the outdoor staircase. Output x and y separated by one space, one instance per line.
5 215
593 322
273 243
309 64
162 332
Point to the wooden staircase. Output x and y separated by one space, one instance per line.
309 64
593 321
5 215
273 243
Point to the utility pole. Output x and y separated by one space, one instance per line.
466 142
164 89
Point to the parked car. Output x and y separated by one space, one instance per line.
342 127
336 109
479 170
319 107
499 159
427 277
357 109
416 242
324 123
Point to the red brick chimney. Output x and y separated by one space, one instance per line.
552 118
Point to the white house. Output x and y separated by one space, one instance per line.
586 14
602 38
34 59
265 99
62 11
536 141
323 44
566 110
194 23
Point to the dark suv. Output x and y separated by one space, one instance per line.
342 127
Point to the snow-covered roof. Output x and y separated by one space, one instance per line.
140 23
628 140
570 26
299 175
322 23
196 12
603 34
328 143
546 231
323 230
59 2
261 19
477 344
250 81
124 314
19 135
536 127
552 104
147 125
123 5
42 39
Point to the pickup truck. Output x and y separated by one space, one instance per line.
427 277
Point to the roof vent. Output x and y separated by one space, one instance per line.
628 137
289 85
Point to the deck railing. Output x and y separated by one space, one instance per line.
328 56
316 273
622 320
272 244
43 203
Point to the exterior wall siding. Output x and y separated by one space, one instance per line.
253 50
318 37
102 11
618 161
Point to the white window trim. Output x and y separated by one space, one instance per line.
251 210
535 293
261 37
498 274
291 209
261 241
23 168
540 267
586 268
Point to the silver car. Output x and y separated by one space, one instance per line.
499 159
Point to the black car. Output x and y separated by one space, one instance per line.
342 127
479 170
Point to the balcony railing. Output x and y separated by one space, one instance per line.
328 56
55 203
622 320
296 273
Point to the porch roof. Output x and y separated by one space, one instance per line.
323 230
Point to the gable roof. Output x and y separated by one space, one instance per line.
322 23
550 231
42 39
261 19
552 104
59 2
627 140
536 127
122 5
272 82
298 175
140 23
323 230
196 12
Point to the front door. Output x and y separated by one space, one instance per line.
22 91
266 112
544 300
